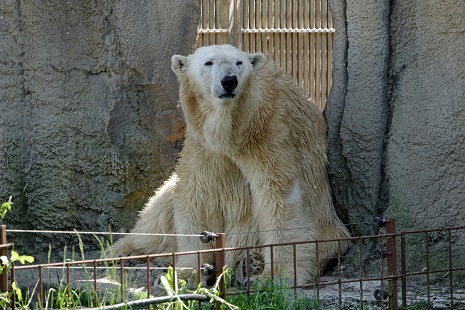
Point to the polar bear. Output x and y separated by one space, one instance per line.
253 165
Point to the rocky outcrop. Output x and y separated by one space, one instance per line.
396 115
89 123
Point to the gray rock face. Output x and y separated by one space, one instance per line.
357 109
89 123
396 116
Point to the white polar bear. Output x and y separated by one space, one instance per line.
253 164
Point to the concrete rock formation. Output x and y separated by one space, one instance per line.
89 123
396 115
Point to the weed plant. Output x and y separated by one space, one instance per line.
6 298
62 296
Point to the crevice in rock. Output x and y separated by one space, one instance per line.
338 172
391 81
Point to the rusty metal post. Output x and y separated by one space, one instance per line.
219 264
95 284
392 263
147 263
3 252
403 271
41 290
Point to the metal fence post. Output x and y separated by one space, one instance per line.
219 264
3 252
392 263
403 271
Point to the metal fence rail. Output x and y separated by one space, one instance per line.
296 34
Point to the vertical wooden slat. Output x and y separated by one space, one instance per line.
318 54
312 50
324 55
207 21
245 23
258 25
207 12
277 42
306 48
295 51
300 64
251 24
238 21
275 35
211 15
267 12
253 15
288 36
199 27
245 17
223 14
330 53
214 21
231 23
200 34
282 24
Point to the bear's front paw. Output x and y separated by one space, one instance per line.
256 266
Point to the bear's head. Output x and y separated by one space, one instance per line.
218 71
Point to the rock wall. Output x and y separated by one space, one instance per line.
89 123
396 117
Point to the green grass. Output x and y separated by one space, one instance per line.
265 294
418 306
61 296
269 295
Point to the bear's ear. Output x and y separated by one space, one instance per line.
178 64
257 60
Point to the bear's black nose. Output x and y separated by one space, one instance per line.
229 83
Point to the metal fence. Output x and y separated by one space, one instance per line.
296 34
389 280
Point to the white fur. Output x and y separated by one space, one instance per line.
253 166
224 62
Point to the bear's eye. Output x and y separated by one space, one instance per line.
209 63
238 63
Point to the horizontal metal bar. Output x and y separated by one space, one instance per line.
6 246
75 232
213 30
288 30
270 30
419 273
